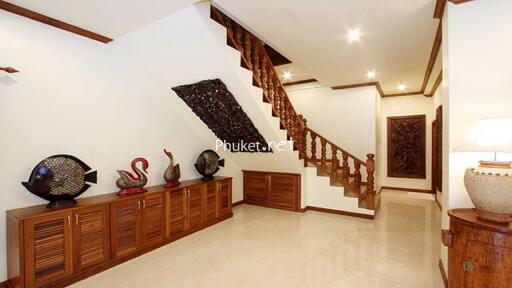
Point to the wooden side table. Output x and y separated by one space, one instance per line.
479 252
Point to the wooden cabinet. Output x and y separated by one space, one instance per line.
479 252
59 246
125 227
224 197
153 219
194 206
177 213
137 223
48 249
272 189
91 236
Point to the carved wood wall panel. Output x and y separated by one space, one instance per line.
218 109
406 146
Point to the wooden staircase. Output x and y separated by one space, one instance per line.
344 169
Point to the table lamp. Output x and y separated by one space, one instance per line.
490 184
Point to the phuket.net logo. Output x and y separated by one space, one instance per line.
243 146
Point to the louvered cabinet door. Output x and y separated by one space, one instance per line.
91 236
153 219
125 223
211 203
255 188
176 211
195 206
48 249
224 197
282 191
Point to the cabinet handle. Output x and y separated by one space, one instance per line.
69 221
76 219
143 203
138 205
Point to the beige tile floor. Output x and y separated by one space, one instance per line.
262 247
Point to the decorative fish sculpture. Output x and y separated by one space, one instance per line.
207 164
59 179
132 184
172 173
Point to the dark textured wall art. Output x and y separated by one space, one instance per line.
218 109
406 146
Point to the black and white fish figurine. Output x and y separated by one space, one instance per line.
59 179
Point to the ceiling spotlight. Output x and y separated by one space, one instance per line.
287 75
371 74
401 87
354 35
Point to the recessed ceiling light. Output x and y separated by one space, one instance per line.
401 87
371 74
354 35
287 75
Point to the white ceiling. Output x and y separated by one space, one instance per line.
111 18
397 37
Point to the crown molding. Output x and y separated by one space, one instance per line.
436 84
52 22
300 82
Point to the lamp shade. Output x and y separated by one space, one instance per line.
489 135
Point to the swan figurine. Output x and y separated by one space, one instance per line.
130 184
172 173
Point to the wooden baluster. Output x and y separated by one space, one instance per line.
256 62
357 175
323 154
334 161
248 48
302 137
370 185
264 77
345 168
229 26
238 36
313 146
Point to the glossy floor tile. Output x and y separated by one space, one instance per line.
263 247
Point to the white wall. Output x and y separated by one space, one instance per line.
476 73
402 106
345 117
78 96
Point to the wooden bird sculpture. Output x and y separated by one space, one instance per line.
172 173
130 184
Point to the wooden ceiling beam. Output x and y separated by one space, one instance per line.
436 84
299 82
52 22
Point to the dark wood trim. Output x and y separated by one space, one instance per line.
300 82
4 284
403 94
433 56
9 70
52 22
339 212
379 88
459 1
350 86
443 273
273 172
426 191
238 203
439 10
438 203
436 84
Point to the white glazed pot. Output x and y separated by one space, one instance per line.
490 191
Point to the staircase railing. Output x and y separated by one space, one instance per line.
255 58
